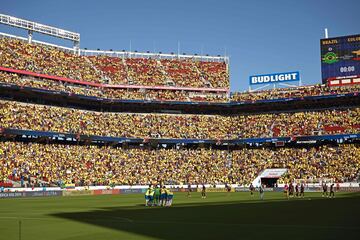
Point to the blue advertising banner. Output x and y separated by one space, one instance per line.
30 194
274 78
340 57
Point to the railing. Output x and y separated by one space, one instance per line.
126 54
66 49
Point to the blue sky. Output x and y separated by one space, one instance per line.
259 36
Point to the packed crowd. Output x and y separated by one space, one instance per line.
18 54
69 120
94 165
48 60
298 92
113 93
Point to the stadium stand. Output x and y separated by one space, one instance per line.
93 165
20 55
69 120
111 93
147 78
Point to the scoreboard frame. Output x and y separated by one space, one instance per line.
340 57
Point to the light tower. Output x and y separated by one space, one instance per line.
32 27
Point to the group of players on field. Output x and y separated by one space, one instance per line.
161 196
291 190
158 196
294 191
297 190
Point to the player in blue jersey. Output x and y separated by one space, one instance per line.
163 196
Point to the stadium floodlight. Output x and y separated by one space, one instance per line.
40 28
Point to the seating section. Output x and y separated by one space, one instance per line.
192 73
213 73
112 67
114 93
46 60
142 70
20 55
184 72
68 120
93 165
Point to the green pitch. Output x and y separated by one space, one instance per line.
219 216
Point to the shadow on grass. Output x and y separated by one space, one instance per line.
294 219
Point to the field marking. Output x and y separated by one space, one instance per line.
57 219
27 218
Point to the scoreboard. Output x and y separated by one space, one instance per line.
340 57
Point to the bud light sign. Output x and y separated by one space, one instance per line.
274 78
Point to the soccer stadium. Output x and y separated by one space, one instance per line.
127 144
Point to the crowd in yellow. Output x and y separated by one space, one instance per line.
145 125
114 93
49 60
87 165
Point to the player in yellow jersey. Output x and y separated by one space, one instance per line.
169 198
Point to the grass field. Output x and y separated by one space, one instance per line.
220 216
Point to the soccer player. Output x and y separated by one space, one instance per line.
251 188
163 196
157 196
302 190
228 189
147 196
170 196
325 192
286 191
261 191
292 189
297 190
189 190
203 191
332 193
